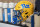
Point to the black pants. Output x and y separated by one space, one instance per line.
37 4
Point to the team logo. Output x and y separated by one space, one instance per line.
25 6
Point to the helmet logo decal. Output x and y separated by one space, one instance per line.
25 6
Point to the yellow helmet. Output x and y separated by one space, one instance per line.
27 8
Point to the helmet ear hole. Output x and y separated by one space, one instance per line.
27 16
26 13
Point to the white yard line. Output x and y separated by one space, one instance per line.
7 25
